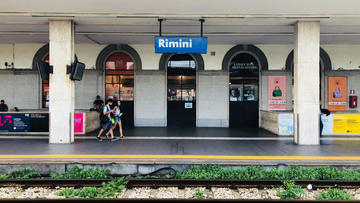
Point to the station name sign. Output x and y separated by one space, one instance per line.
181 45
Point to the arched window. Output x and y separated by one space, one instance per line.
119 71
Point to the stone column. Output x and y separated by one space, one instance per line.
62 89
306 82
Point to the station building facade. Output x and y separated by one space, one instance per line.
266 65
143 82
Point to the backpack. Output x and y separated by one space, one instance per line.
103 118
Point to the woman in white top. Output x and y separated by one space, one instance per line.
117 118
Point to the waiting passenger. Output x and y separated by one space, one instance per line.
3 106
98 103
15 109
106 121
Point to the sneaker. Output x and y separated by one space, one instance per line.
99 139
114 139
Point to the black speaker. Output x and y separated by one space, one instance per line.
44 69
77 70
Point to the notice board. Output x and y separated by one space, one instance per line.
346 123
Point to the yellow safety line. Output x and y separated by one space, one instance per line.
74 156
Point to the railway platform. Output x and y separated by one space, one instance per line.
145 149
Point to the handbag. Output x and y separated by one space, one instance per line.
277 92
337 94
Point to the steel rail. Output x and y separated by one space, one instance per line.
180 183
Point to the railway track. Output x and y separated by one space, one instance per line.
180 183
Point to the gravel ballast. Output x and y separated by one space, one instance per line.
166 193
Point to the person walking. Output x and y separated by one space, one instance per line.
106 121
118 119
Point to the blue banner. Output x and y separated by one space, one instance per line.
181 45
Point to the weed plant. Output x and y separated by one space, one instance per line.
21 174
107 190
77 173
334 194
290 191
199 194
260 173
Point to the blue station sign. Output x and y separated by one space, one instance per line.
181 45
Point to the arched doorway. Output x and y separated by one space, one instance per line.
244 91
119 63
119 84
244 63
181 90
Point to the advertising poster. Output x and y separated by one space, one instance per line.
277 92
346 123
79 123
286 124
337 93
14 122
328 124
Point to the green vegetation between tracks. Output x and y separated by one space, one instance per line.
261 173
208 172
108 190
78 173
334 194
20 174
290 191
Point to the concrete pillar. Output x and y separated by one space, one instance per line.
62 89
306 82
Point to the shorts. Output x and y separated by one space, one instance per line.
117 119
107 126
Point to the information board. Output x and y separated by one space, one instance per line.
346 123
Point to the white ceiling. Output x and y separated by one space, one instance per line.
136 21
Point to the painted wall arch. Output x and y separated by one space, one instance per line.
40 55
249 49
113 48
325 61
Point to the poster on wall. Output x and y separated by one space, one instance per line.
346 123
286 124
328 124
14 123
79 123
24 122
277 92
337 93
